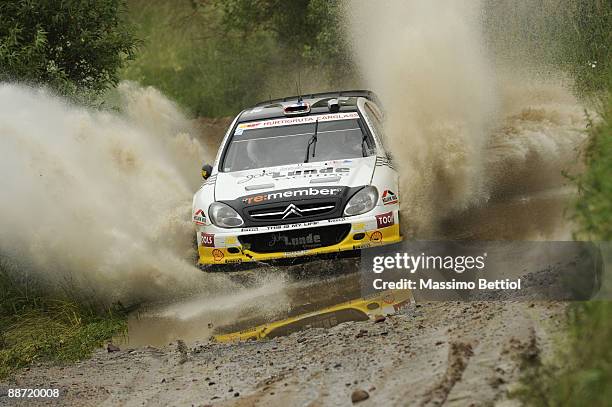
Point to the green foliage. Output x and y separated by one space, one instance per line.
187 58
303 28
328 46
214 58
581 374
587 47
308 36
594 207
75 48
70 45
34 327
573 36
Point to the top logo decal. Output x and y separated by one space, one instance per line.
389 197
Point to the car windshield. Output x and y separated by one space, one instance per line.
272 143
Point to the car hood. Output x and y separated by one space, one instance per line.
350 173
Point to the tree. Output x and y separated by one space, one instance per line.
308 28
71 45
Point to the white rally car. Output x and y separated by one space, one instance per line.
296 177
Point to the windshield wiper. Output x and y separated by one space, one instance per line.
312 142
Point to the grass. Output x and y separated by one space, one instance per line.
581 371
594 208
192 55
189 58
35 327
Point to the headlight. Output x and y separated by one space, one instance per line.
224 216
362 202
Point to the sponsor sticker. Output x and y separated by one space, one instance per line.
336 220
218 255
292 193
250 177
384 220
199 217
311 239
389 197
208 239
359 226
297 173
294 120
249 229
296 253
376 236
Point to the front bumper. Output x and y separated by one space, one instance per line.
362 235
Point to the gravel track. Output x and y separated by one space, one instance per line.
429 354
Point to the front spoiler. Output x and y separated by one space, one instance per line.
236 255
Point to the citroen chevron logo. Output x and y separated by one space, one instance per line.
291 210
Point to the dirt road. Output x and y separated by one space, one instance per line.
452 353
431 353
434 353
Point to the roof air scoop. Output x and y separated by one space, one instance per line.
333 105
297 109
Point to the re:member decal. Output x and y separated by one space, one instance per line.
292 193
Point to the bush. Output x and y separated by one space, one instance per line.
582 370
72 46
581 373
587 51
217 57
308 29
594 208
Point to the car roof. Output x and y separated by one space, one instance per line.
274 108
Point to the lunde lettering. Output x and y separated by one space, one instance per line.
294 241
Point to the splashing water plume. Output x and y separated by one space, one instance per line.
97 203
463 131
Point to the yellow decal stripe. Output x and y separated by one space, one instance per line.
377 237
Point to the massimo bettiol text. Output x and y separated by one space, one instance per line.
399 271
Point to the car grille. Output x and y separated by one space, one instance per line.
295 240
291 211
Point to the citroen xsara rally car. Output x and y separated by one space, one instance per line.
300 176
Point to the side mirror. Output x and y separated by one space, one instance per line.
206 171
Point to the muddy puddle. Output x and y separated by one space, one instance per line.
289 294
286 295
